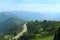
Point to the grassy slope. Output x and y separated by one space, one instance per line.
5 37
51 37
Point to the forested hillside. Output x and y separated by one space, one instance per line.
9 22
41 30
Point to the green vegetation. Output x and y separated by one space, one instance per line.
45 38
41 30
11 26
5 37
36 30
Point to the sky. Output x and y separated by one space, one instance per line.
51 6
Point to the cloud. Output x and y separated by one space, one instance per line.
29 5
27 1
30 1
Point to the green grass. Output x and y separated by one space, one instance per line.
6 37
51 37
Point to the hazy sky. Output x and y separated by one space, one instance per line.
30 5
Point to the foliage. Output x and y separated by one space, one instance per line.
41 29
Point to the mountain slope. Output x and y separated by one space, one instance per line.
33 15
36 15
8 22
5 15
28 15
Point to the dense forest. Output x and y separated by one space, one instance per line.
41 30
13 32
10 27
36 30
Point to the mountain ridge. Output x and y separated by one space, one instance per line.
8 22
